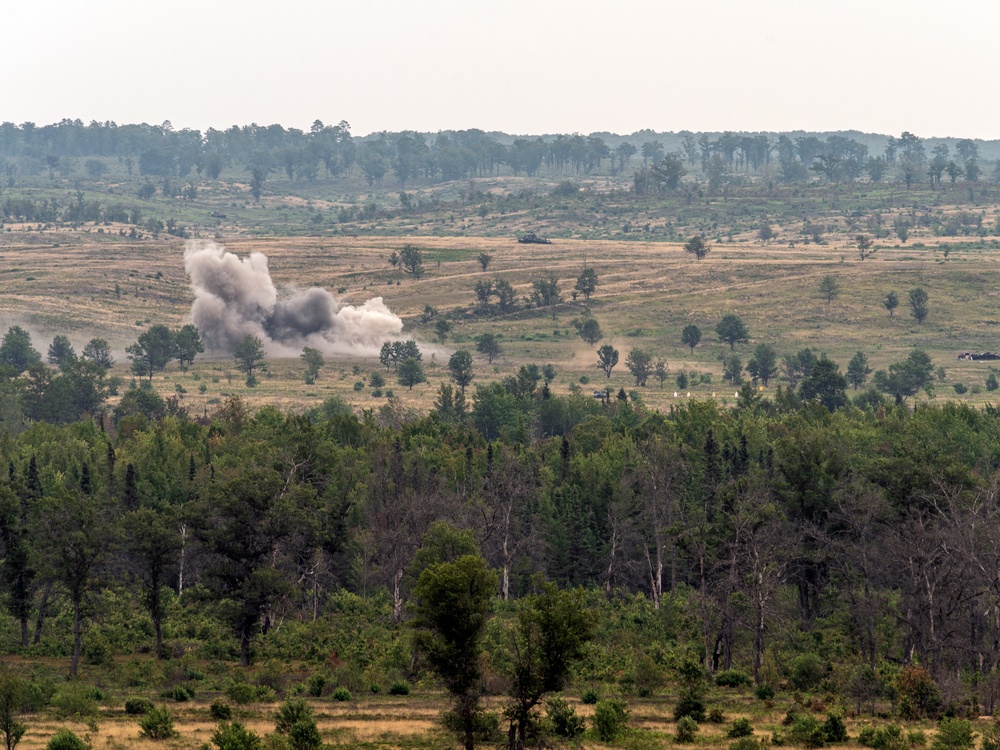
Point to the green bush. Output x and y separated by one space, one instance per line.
991 382
220 711
315 685
304 735
75 699
748 743
289 713
834 728
687 728
138 706
960 388
917 738
991 737
589 697
764 692
740 728
158 725
715 716
241 693
866 734
235 736
807 672
399 687
65 739
610 719
807 731
954 734
565 721
341 694
732 678
889 737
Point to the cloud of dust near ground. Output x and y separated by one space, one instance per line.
235 297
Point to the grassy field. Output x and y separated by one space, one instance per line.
85 285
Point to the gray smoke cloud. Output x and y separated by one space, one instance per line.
234 297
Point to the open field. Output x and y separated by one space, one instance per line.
383 722
84 285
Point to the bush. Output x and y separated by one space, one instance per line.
589 697
65 739
315 685
715 716
220 711
807 671
732 678
610 718
304 735
960 388
740 728
917 738
687 728
399 687
138 706
289 713
158 725
991 737
834 728
75 699
764 692
807 731
889 737
991 382
235 736
954 734
341 694
566 722
241 693
918 693
748 743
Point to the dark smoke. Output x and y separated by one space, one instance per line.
235 296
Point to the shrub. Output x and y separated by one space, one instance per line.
610 718
918 693
748 743
181 693
486 725
764 692
138 706
65 739
740 728
158 725
589 697
991 737
220 711
304 735
715 716
235 736
289 713
889 737
342 694
807 671
75 699
917 738
241 693
807 731
991 382
732 678
834 728
399 687
566 722
954 734
687 728
315 685
960 388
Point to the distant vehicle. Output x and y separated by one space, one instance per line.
600 394
977 356
533 239
217 215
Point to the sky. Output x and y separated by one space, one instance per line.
525 67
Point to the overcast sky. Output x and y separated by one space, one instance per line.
520 66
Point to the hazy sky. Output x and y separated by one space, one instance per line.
520 66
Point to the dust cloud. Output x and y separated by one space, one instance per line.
235 297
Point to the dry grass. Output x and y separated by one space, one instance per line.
648 292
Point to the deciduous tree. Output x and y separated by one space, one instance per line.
607 358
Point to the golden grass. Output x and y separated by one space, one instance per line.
647 293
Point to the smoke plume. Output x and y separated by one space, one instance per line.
235 296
